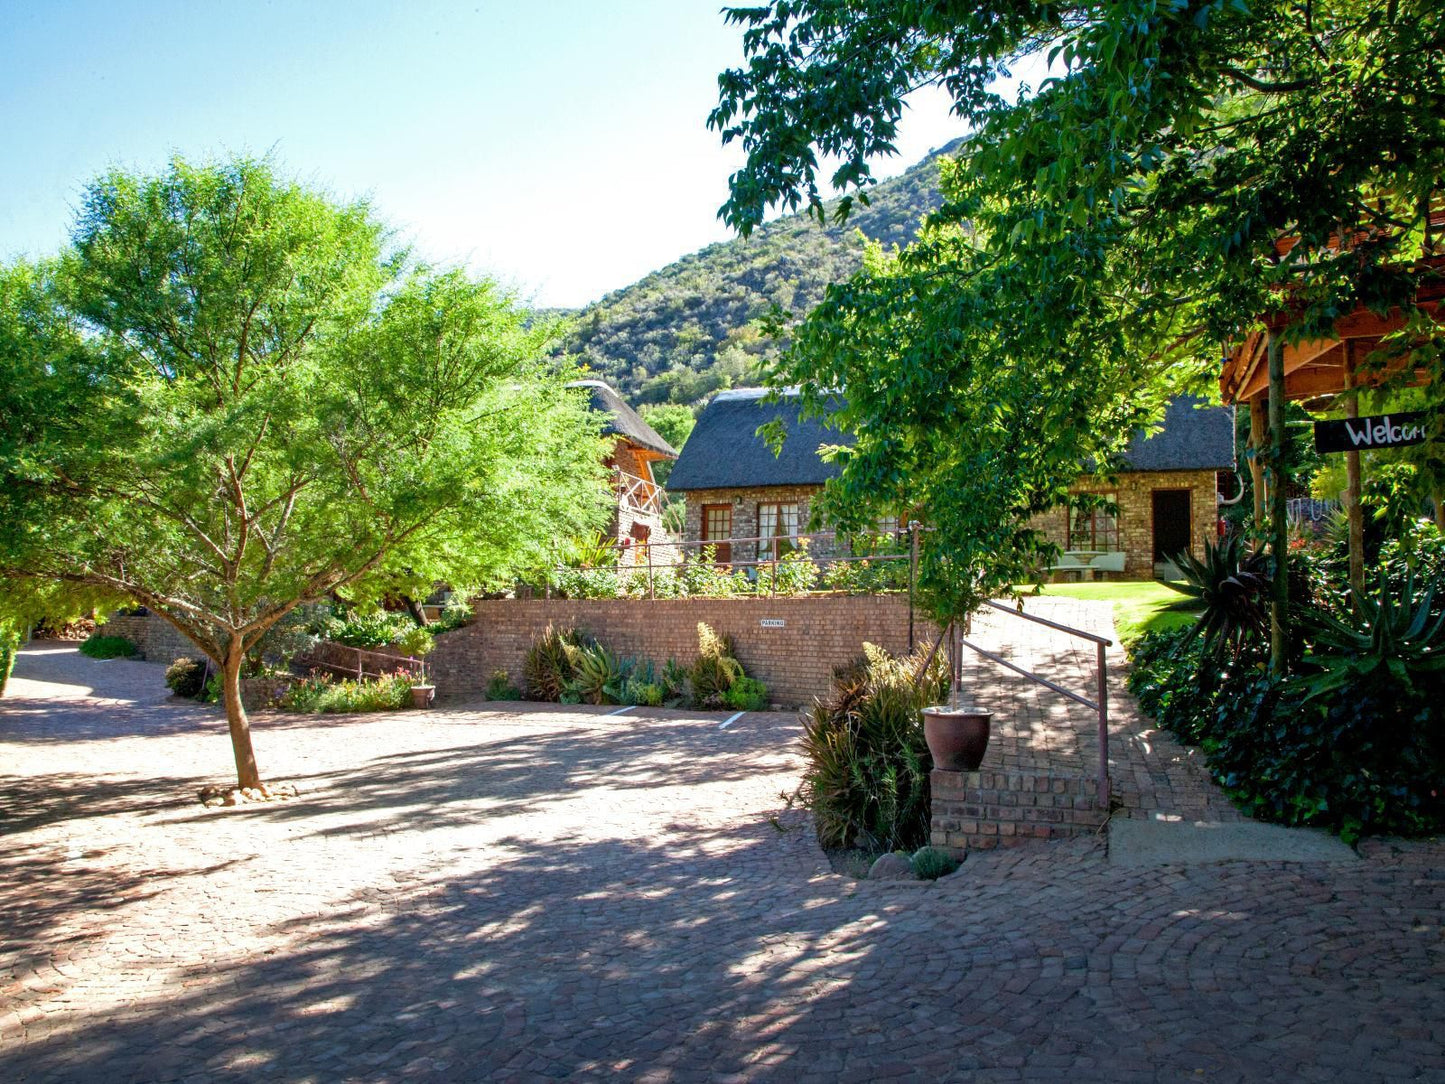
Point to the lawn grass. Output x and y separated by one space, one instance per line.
1139 606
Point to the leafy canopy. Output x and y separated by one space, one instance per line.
1101 237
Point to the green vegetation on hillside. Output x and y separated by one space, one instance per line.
687 330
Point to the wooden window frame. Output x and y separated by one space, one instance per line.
722 543
1094 531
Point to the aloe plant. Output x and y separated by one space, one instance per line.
1230 591
1391 639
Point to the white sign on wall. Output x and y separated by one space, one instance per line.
773 623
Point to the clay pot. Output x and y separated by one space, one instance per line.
956 738
422 695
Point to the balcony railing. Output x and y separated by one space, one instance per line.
638 494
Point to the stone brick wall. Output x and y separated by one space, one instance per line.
1134 494
156 637
796 661
982 810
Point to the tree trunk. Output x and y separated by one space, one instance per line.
246 773
1279 520
1257 429
414 610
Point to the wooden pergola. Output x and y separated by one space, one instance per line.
1316 371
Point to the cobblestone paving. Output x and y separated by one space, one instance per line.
1036 730
519 894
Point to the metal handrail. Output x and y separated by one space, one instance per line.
1099 705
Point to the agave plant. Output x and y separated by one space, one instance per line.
597 675
1230 591
1391 640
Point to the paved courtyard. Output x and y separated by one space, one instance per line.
517 893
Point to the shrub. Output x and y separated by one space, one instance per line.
501 687
715 670
931 863
866 780
108 647
1351 743
597 675
548 667
186 677
321 693
1230 588
415 641
674 683
364 630
747 694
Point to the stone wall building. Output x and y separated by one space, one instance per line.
1160 498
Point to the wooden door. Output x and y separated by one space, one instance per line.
1172 532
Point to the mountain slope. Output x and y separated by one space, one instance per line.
684 331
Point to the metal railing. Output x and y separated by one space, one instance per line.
1100 705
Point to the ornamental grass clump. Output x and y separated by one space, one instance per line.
866 781
550 664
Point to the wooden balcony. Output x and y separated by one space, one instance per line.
638 494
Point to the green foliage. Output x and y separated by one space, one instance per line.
674 683
596 675
1100 235
186 677
1391 645
715 670
456 613
9 644
931 863
1231 590
550 664
416 641
866 780
109 647
1367 759
500 687
673 423
747 694
368 630
322 693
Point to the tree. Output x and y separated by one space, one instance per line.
227 398
1166 171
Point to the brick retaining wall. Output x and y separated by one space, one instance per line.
984 809
796 662
157 638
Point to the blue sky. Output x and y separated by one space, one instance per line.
557 145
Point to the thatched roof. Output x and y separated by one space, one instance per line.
1194 437
622 420
725 452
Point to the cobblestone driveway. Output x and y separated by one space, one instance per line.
495 895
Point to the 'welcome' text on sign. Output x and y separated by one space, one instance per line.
1363 434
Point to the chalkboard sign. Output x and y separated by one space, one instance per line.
1365 434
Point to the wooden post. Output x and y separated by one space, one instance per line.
912 581
1353 511
1279 519
1257 432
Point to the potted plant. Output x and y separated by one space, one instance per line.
957 733
422 691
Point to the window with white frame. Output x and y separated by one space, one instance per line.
777 522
